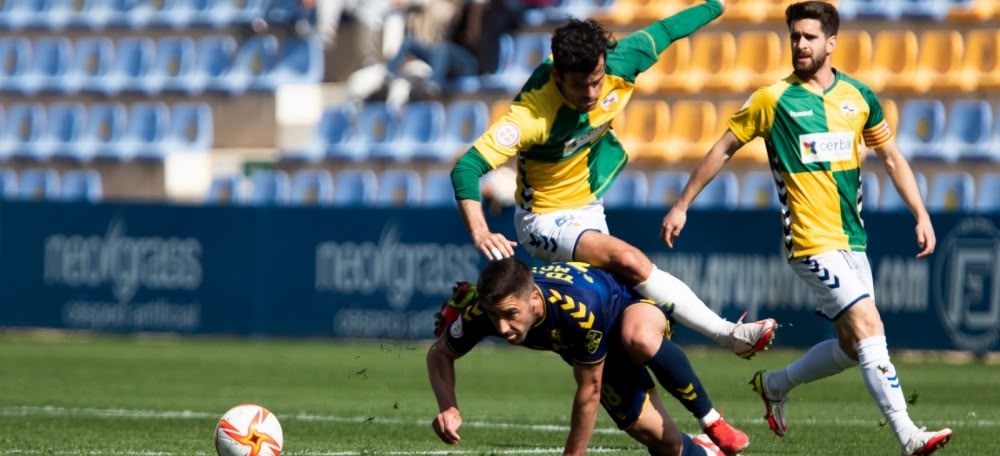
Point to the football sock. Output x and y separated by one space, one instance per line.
822 360
673 370
685 307
884 386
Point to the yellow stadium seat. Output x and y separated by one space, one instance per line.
980 10
632 12
853 54
759 62
713 55
939 54
645 128
752 152
756 11
895 53
980 67
692 129
673 63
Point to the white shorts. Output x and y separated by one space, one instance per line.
839 277
552 237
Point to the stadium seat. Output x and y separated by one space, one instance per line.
935 10
968 133
713 55
530 49
971 10
665 187
438 190
65 122
673 63
399 188
853 55
133 60
940 54
355 187
758 191
629 190
951 192
104 128
50 59
376 126
15 58
93 14
988 193
213 58
646 130
870 191
421 126
870 9
723 192
252 64
921 127
760 60
8 184
175 60
25 123
81 185
225 189
19 14
981 64
300 61
93 59
191 128
148 123
269 187
222 13
312 187
891 201
132 14
38 184
465 121
691 129
331 137
895 54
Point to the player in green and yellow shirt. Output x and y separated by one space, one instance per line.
559 130
815 124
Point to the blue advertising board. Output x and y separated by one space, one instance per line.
381 273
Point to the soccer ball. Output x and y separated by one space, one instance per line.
248 430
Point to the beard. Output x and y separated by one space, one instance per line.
806 71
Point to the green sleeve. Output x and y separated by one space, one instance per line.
466 173
640 50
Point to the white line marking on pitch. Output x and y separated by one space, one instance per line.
510 451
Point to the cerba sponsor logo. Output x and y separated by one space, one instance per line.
826 147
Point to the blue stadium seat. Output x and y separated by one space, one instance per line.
465 121
148 123
24 124
355 187
493 80
335 129
399 187
758 191
530 49
191 128
8 184
222 13
629 190
93 14
988 193
38 184
665 187
176 14
376 126
723 192
213 58
19 14
175 60
870 191
133 61
50 59
93 59
56 14
225 189
312 187
15 58
952 191
968 133
300 61
105 126
921 127
82 185
269 188
134 14
64 125
421 125
936 10
891 201
870 9
438 191
252 64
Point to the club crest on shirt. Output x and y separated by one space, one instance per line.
507 135
849 109
609 101
593 340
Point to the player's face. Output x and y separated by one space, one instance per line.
581 89
514 316
810 47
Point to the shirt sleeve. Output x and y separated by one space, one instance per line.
755 117
518 129
463 334
876 130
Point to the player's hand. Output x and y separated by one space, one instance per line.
446 425
673 223
494 245
925 237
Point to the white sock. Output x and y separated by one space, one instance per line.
709 418
686 307
822 360
883 384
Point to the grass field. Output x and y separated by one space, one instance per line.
105 395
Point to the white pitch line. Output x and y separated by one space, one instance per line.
509 451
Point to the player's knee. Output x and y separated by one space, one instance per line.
632 265
641 345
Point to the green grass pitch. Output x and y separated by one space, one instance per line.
124 395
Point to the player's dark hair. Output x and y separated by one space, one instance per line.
823 12
501 279
578 45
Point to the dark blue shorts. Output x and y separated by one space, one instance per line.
624 387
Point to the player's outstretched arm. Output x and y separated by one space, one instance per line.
906 185
441 371
684 23
585 405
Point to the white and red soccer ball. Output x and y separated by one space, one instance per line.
248 430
